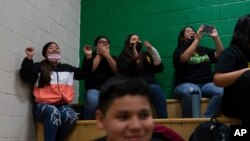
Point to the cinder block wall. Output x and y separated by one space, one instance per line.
31 23
158 21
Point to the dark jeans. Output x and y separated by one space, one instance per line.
91 102
57 120
159 100
208 90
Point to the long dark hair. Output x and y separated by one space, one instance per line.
241 34
46 69
127 51
181 38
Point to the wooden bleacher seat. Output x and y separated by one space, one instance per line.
174 107
87 131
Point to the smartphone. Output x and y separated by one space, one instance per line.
208 29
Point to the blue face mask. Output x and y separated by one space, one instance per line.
54 58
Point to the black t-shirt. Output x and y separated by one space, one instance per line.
197 69
145 70
102 73
231 59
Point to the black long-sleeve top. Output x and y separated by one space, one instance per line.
146 69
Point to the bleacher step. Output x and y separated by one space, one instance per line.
85 130
174 107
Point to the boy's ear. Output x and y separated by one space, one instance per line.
99 119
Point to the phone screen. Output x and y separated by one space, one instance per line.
208 29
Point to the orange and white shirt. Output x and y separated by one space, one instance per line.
61 89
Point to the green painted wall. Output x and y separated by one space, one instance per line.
158 21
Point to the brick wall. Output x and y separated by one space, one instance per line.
158 21
31 23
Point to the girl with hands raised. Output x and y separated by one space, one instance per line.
193 71
133 61
53 90
103 67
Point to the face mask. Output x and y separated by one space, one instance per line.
54 57
138 46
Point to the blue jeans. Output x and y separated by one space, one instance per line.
91 102
159 100
57 120
208 90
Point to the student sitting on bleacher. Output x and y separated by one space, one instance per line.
193 70
53 90
233 73
103 67
134 61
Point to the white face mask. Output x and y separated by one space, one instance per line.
54 58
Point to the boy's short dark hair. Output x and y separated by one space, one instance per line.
120 86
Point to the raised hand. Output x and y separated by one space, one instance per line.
29 52
148 45
214 33
87 51
136 54
198 34
103 51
